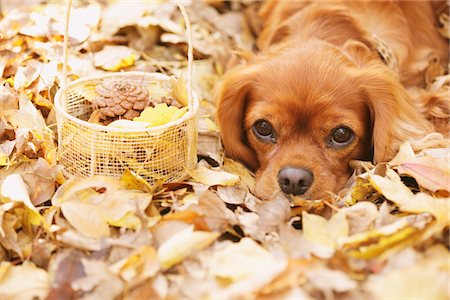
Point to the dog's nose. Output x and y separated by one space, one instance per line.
295 181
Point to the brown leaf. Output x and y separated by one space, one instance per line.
430 172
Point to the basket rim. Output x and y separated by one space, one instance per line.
191 113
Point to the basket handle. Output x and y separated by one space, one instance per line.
66 44
190 57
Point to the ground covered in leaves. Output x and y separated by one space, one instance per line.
385 236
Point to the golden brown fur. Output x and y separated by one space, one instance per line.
318 69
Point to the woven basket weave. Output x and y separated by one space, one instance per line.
165 152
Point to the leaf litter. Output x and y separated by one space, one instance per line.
209 237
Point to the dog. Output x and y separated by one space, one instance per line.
328 86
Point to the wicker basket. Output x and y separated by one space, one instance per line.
163 152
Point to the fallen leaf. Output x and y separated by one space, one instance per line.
381 242
128 124
247 179
92 212
391 186
182 244
86 218
211 177
138 266
361 216
394 190
159 115
14 188
179 91
427 279
247 267
430 172
326 280
325 232
115 58
25 76
23 282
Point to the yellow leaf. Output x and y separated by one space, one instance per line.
211 126
86 218
4 159
383 240
141 264
125 124
129 220
211 177
394 190
23 282
133 181
14 188
246 259
179 91
115 58
234 167
160 114
391 187
421 202
325 232
91 212
423 279
182 244
359 192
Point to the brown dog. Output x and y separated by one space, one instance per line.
327 87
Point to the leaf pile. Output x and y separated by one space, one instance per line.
209 237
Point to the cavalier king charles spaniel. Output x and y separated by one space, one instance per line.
329 85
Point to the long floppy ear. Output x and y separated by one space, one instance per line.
395 118
231 98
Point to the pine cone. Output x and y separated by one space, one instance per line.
169 100
120 98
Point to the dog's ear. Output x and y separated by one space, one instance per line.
273 35
359 52
395 118
231 98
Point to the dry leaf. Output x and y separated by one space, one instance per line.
380 242
361 216
246 177
246 266
430 172
25 76
159 115
23 282
211 177
179 91
92 212
394 189
327 280
14 188
115 58
426 279
325 232
182 244
137 267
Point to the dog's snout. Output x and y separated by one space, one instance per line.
295 181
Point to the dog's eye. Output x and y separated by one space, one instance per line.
341 136
264 131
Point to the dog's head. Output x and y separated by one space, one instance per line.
298 117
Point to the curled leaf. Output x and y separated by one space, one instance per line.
430 172
182 244
160 115
212 177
